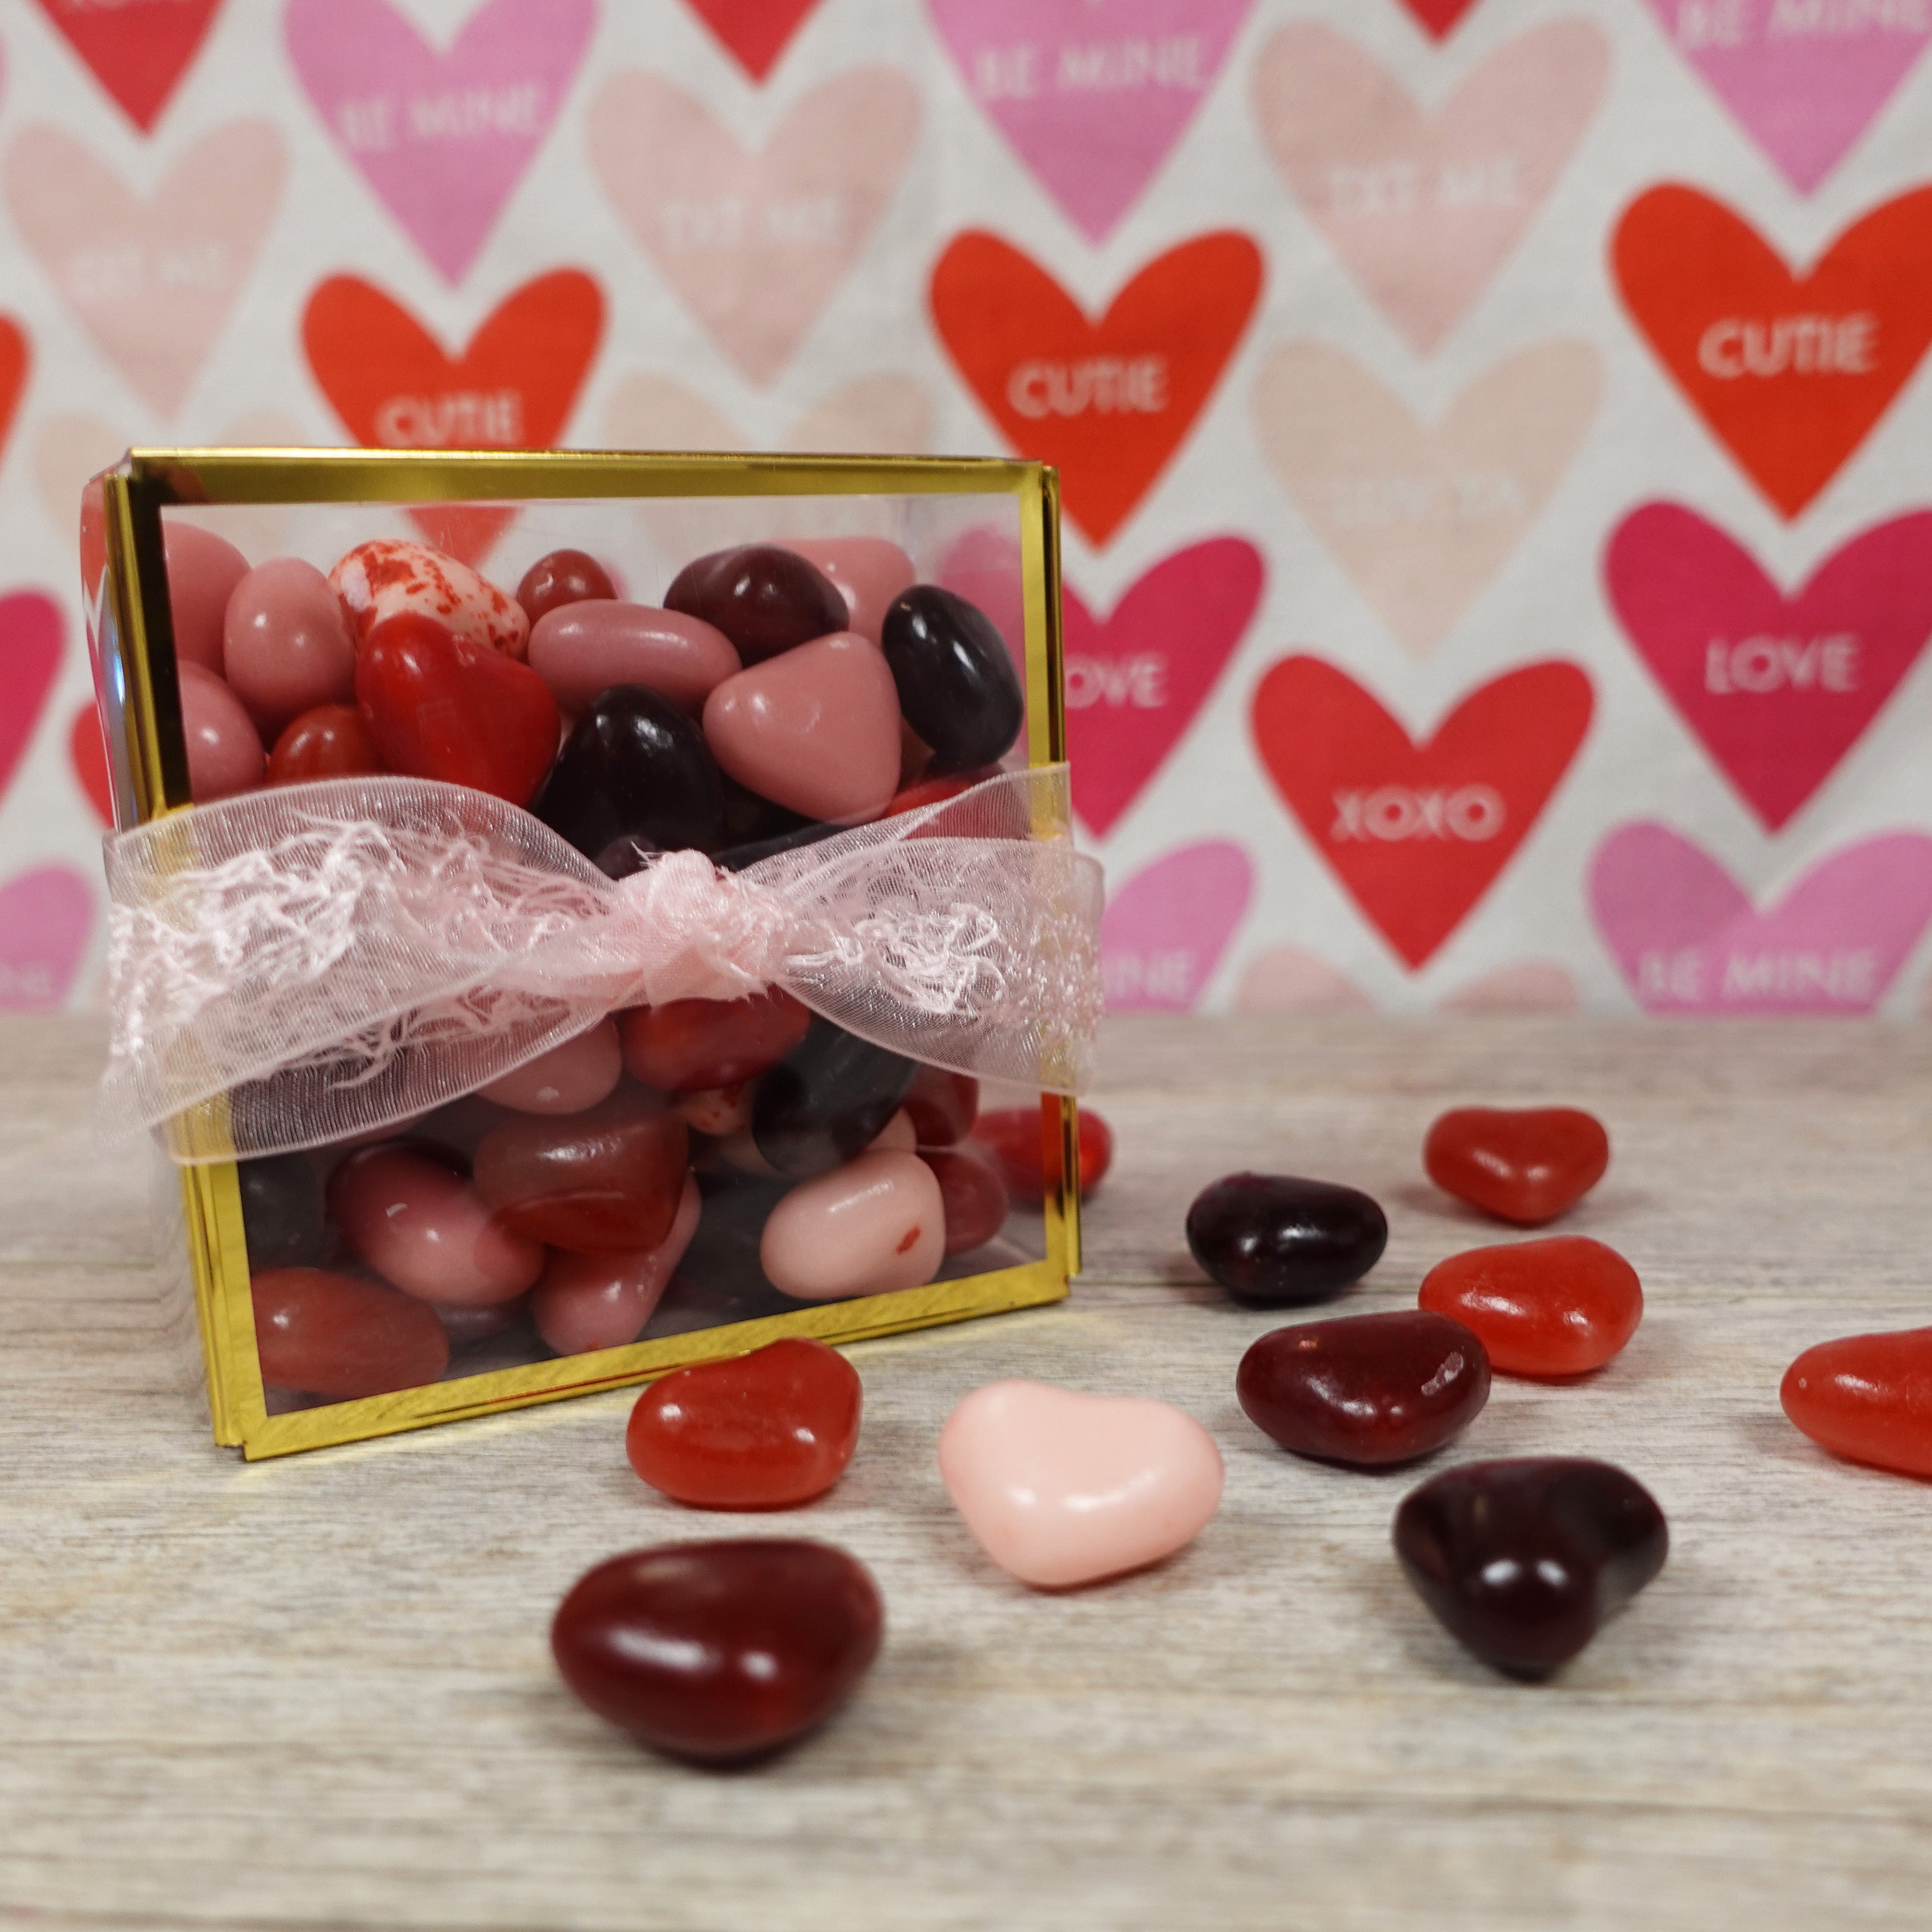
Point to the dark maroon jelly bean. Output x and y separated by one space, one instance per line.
765 599
1522 1560
827 1100
749 820
1274 1241
628 855
973 1192
735 858
1365 1389
958 688
634 765
281 1211
564 577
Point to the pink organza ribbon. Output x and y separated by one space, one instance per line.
301 964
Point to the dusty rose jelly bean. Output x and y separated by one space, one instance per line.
224 749
567 1079
286 647
203 570
868 572
603 1301
580 650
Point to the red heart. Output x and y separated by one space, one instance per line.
441 707
1834 345
138 53
1438 16
14 356
756 31
1135 680
87 752
1417 833
1109 401
30 653
513 388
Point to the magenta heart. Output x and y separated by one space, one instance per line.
46 918
1092 101
1803 83
1778 689
443 138
1164 931
31 627
1688 939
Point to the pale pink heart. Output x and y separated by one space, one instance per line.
1688 940
1164 931
756 243
1290 979
1424 208
47 919
1530 986
154 278
442 135
1093 94
1422 517
1803 81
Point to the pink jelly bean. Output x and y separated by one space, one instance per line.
876 1224
568 1078
418 1223
203 570
224 749
602 1301
580 650
286 644
386 577
868 572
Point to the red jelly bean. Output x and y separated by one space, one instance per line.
770 1430
942 1106
333 741
330 1334
688 1044
936 791
1560 1306
719 1652
563 577
1027 1152
973 1192
1868 1397
1521 1164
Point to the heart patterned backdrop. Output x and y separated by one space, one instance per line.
1492 432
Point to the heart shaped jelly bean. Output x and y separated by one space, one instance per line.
1868 1397
1521 1164
1562 1306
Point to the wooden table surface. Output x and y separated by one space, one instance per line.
318 1692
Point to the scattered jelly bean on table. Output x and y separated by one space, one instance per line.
604 1300
1522 1164
956 684
687 1044
767 1430
872 1227
634 765
1522 1560
766 598
1027 1150
324 1334
1366 1390
1273 1241
203 570
286 644
1867 1398
721 1652
333 741
827 1100
1561 1306
972 1194
559 578
581 649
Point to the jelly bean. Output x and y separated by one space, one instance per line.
685 1045
916 797
605 1181
721 1652
281 1211
1060 1489
872 1227
634 764
411 1216
1027 1153
770 1430
624 857
869 573
583 1071
471 1327
203 570
735 858
331 1335
956 683
388 578
717 1110
584 649
724 1257
896 1136
750 820
1366 1390
943 1105
765 599
915 755
559 579
1274 1241
1559 1307
1522 1560
224 749
1867 1397
602 1301
815 731
1521 1164
440 706
827 1100
286 643
973 1195
333 741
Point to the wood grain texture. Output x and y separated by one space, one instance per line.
318 1693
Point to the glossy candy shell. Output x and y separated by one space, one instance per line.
1275 1241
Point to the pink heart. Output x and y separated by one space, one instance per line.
1164 931
1687 939
1803 93
1291 979
443 137
1092 103
30 629
153 280
1425 208
1530 986
756 243
1778 689
46 918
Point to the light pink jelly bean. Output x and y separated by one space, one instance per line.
224 749
386 576
418 1223
286 643
876 1224
580 650
568 1078
203 570
869 572
602 1301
